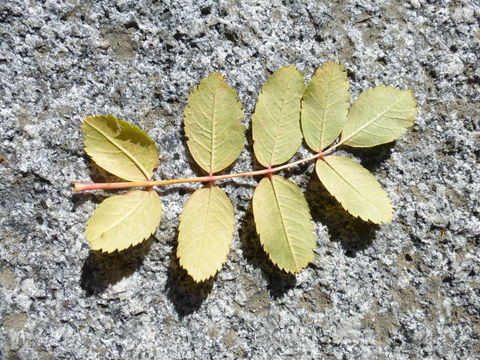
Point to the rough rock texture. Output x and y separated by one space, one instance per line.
409 289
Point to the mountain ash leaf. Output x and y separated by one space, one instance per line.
120 148
276 120
283 222
212 124
124 220
355 188
325 106
205 232
380 115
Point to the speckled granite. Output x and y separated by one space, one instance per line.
409 289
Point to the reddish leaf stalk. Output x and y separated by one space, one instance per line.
78 186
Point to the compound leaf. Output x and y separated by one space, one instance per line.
212 124
355 188
205 232
124 220
276 120
120 148
379 115
283 223
325 106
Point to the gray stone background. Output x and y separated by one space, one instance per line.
409 289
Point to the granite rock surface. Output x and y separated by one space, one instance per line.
409 289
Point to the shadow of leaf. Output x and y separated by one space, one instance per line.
372 158
100 270
100 175
186 295
279 282
353 233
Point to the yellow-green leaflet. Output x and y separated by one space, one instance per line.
120 148
355 188
379 115
325 106
124 220
283 222
212 124
276 120
205 232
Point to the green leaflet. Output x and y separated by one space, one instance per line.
212 124
355 188
124 220
283 221
325 106
276 120
205 232
120 148
380 115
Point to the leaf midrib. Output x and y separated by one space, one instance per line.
277 201
125 217
322 132
275 139
206 221
369 122
212 146
131 157
353 187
